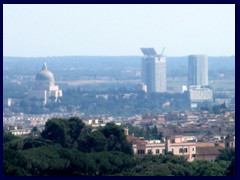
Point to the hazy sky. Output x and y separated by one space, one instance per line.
58 30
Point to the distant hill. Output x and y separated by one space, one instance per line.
29 66
225 62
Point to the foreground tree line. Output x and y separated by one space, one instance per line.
66 147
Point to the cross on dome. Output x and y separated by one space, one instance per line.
44 67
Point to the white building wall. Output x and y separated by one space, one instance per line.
154 73
198 70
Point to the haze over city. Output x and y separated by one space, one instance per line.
119 90
117 30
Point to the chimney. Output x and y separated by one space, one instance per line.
167 145
126 131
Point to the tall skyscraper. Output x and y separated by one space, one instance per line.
197 70
153 70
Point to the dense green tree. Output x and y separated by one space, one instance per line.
7 137
75 125
149 169
160 165
226 154
117 104
231 170
207 168
35 142
57 130
16 144
45 160
110 163
116 137
146 132
14 163
63 131
102 152
93 141
35 132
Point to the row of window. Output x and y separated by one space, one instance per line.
157 151
183 150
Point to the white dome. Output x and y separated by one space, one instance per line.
45 74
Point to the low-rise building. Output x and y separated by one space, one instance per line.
176 146
199 94
20 132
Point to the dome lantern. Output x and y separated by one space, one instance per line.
45 74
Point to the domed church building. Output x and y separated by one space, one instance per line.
44 88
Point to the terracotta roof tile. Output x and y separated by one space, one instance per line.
208 150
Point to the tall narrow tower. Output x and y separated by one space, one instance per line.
153 70
197 70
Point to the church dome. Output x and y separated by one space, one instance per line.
45 74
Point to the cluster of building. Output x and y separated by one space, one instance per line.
154 75
185 146
197 144
43 91
22 124
202 124
193 145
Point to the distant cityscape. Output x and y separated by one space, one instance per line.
119 90
44 93
195 122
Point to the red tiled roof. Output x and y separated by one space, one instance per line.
208 144
135 140
208 150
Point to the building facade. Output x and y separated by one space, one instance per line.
198 70
176 145
153 70
199 94
44 88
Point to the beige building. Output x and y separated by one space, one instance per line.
182 146
174 145
44 88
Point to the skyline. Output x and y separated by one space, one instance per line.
118 30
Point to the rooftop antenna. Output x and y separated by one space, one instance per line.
161 55
162 51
